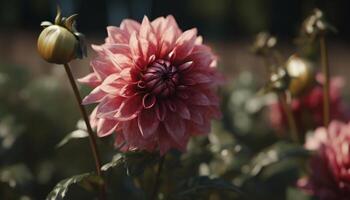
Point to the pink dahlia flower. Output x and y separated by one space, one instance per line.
154 85
330 166
308 109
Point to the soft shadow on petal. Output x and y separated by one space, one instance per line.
148 122
130 26
106 127
175 126
90 80
129 109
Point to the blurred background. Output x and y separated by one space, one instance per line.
37 108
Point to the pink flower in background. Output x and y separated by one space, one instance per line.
154 85
330 166
308 109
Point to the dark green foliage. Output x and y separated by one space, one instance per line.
87 181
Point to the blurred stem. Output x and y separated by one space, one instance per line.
290 118
92 139
154 195
325 70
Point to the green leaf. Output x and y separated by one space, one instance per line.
278 152
297 194
117 161
79 133
14 175
134 162
191 187
88 181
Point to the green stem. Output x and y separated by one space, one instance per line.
92 139
325 70
290 118
154 195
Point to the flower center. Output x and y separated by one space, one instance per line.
161 78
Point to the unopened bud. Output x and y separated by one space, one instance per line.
60 42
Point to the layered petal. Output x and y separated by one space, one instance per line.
154 85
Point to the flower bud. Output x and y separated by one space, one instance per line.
302 73
60 42
57 45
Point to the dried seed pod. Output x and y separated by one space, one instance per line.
302 73
278 82
315 24
264 41
60 42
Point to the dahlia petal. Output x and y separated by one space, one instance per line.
182 110
125 74
175 126
147 32
152 58
120 49
90 80
147 49
202 56
158 25
164 143
198 98
130 26
127 90
140 48
102 68
196 116
98 48
199 40
120 143
182 95
147 122
167 42
186 66
185 44
131 132
214 99
96 95
129 109
109 84
206 128
201 78
109 107
148 101
117 35
161 111
134 138
171 22
119 61
215 112
188 81
171 105
106 127
93 118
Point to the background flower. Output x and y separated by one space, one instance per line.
330 166
154 85
308 109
